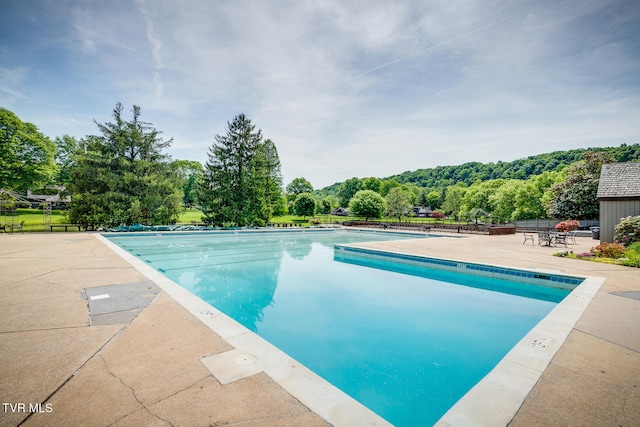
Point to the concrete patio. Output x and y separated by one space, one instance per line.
139 363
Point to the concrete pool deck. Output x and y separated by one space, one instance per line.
140 364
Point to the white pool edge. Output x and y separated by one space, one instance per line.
496 399
317 394
492 402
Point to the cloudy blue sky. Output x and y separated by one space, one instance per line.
344 88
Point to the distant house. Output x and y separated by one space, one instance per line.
618 194
421 211
53 198
340 212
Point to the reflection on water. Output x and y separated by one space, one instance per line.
405 345
238 274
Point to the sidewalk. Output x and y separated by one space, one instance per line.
142 365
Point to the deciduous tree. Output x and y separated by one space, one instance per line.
367 203
348 189
298 186
26 155
398 202
576 196
304 205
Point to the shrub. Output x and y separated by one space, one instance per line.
584 255
568 225
609 250
436 215
632 259
628 230
635 247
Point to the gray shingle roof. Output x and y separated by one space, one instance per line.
620 181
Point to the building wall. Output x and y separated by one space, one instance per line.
610 214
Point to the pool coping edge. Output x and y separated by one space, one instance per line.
498 396
493 401
317 394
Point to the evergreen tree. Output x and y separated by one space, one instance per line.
242 184
123 176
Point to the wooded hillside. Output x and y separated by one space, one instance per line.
441 177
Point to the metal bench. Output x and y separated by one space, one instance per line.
65 226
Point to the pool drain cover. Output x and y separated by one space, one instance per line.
245 359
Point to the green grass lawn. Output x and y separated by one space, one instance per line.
33 219
190 215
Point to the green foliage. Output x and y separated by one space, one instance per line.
387 185
503 199
242 183
189 173
367 203
576 196
67 148
324 207
123 176
634 247
398 202
470 173
632 259
479 196
26 155
298 186
453 199
627 231
348 189
372 183
433 199
304 205
441 177
532 198
632 255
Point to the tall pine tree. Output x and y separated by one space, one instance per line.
242 184
123 176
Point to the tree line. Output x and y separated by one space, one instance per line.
122 175
557 185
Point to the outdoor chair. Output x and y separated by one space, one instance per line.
544 237
571 237
528 237
561 239
19 227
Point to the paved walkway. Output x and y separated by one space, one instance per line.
141 364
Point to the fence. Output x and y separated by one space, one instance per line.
433 226
549 224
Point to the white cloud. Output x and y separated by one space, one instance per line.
10 81
362 88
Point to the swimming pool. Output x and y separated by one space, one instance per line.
382 331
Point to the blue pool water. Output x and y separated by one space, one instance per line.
406 341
